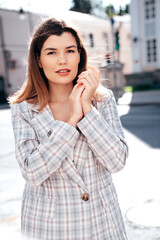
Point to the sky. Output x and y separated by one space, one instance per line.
51 6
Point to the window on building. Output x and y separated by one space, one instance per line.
91 40
151 50
149 9
150 28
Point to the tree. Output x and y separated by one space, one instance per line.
124 11
127 9
84 6
121 12
110 10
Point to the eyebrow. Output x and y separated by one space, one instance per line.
49 49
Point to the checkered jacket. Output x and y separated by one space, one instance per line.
60 163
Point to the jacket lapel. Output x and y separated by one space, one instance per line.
69 168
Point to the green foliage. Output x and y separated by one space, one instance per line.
110 11
84 6
137 88
127 9
121 12
124 11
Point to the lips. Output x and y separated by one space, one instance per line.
63 71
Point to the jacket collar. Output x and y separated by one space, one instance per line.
34 106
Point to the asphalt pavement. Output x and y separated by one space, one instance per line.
137 184
140 98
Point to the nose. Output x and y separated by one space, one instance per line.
62 59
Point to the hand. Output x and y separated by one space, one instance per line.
76 106
90 80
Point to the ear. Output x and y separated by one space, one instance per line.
39 62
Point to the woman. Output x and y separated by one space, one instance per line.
69 140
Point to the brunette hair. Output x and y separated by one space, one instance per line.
35 87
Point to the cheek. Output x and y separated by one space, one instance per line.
75 66
76 62
46 65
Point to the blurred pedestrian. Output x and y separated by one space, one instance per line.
68 141
108 57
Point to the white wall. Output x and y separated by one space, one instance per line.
144 29
135 34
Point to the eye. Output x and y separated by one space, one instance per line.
51 53
71 51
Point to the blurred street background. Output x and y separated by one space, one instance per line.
123 40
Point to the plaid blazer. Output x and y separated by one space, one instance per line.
69 194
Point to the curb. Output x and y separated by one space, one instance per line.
139 104
4 106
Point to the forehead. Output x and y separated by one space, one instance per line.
64 40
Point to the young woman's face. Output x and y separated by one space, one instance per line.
60 58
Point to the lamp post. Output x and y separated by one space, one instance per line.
111 13
22 16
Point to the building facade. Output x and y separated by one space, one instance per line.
16 28
145 35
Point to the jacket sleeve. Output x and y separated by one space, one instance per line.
39 159
105 135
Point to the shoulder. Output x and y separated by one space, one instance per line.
105 96
108 103
108 96
23 108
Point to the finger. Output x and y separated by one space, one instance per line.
87 81
74 88
77 91
87 84
92 69
95 74
96 71
87 74
91 76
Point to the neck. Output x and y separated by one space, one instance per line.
60 92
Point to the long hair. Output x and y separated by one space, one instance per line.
35 88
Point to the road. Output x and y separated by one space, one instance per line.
144 122
137 184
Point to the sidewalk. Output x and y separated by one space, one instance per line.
142 218
140 98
